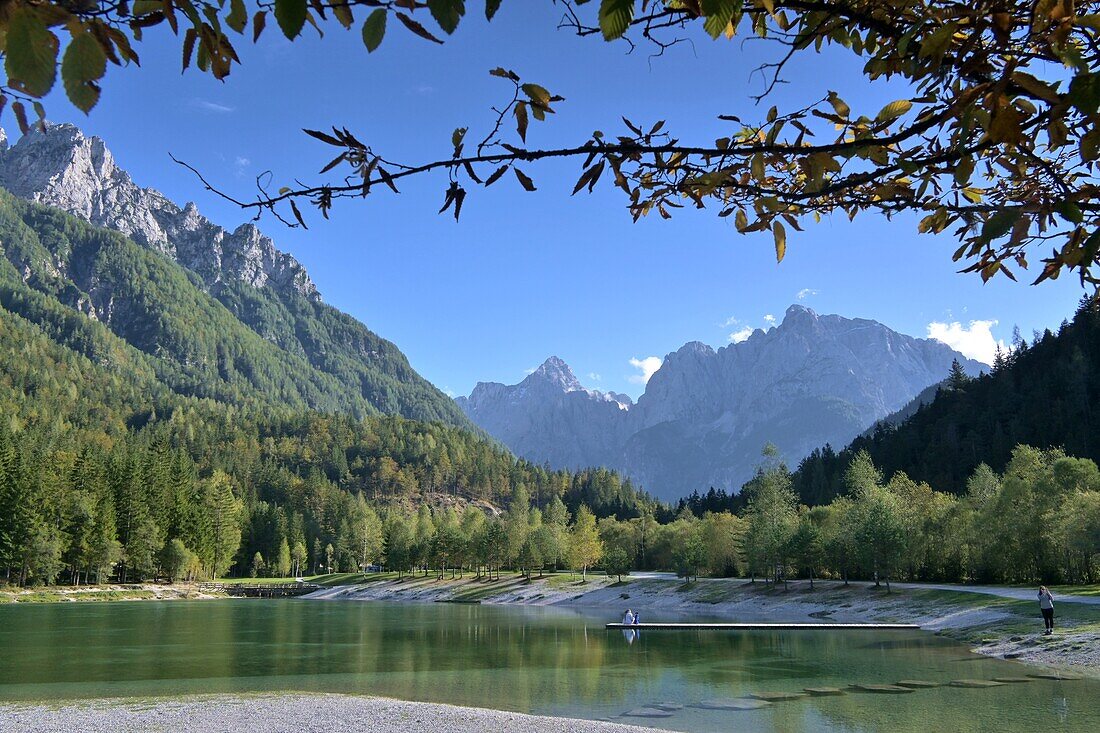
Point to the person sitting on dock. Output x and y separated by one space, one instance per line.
635 621
628 618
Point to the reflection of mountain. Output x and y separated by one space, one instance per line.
227 313
705 414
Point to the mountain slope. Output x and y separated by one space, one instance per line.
272 333
706 414
1046 395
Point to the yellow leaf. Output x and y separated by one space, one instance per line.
780 235
894 110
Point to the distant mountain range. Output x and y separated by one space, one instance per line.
706 414
219 314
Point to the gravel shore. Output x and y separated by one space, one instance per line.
289 713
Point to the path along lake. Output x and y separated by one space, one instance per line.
547 661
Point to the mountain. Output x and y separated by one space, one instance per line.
222 314
706 414
1046 395
549 417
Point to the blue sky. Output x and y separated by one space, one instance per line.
527 275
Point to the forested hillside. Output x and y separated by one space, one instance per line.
1044 394
145 431
84 284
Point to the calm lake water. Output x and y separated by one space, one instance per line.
535 660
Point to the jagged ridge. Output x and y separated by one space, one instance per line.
706 414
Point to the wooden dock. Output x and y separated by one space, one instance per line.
764 627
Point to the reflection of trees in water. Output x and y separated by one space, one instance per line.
514 660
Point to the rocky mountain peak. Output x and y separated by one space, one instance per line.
556 373
64 168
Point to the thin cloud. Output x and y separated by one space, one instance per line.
731 321
806 293
594 376
647 366
769 319
208 106
738 336
974 341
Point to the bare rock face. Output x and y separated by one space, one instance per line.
706 414
63 168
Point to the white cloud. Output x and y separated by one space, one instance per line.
769 319
532 370
974 341
594 376
731 321
208 106
805 293
739 336
646 366
449 392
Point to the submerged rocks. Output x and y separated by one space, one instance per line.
1055 676
777 696
918 684
740 703
647 712
883 689
823 691
975 684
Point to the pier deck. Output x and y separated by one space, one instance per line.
761 627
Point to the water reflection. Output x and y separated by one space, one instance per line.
530 660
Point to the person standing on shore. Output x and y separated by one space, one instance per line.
1046 605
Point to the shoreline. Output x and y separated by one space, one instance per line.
106 593
991 625
990 620
285 713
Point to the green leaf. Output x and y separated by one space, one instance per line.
1069 211
447 13
524 180
537 94
491 8
615 17
83 65
718 14
999 224
894 110
30 52
291 16
521 120
1084 92
374 29
238 15
839 105
417 28
780 235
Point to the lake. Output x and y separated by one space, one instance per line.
534 660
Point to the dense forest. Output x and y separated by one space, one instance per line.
146 432
161 438
1045 394
104 474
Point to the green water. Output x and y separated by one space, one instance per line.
547 661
